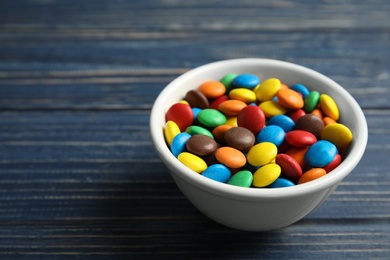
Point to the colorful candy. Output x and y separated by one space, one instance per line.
248 133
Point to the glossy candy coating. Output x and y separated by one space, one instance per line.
310 123
283 121
242 178
338 134
179 143
302 89
197 99
272 108
289 98
211 118
320 154
201 145
217 172
271 133
311 101
219 132
246 81
227 81
181 114
311 174
266 175
243 94
329 107
231 107
230 157
262 153
192 161
252 118
214 104
268 89
239 138
198 130
290 167
212 89
281 183
171 129
333 164
300 138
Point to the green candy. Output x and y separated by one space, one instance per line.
227 81
211 118
311 101
242 178
198 130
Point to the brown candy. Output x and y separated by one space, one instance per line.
310 123
197 99
240 138
201 145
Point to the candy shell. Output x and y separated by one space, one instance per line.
272 108
289 98
201 145
246 81
329 107
243 94
338 134
197 99
242 178
268 89
262 153
170 131
302 89
281 183
231 107
227 81
310 123
311 174
252 118
192 161
300 138
320 154
271 133
290 167
211 118
240 138
181 114
217 172
198 130
179 143
230 157
266 175
283 121
311 101
212 89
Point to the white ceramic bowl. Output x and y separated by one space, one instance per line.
257 209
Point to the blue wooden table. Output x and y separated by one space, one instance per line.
79 177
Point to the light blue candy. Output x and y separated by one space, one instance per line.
217 172
281 183
320 154
285 122
301 89
246 81
271 133
179 143
195 111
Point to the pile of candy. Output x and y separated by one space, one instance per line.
248 133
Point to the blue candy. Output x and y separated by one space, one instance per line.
217 172
246 81
272 133
281 183
320 154
179 143
285 122
301 89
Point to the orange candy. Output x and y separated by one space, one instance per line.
230 157
290 98
299 155
231 107
219 132
317 112
212 89
312 174
327 120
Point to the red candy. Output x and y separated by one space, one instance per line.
290 167
181 114
215 103
296 114
252 118
300 138
333 164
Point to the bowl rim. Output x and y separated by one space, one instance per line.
356 150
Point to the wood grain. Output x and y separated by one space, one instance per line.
79 178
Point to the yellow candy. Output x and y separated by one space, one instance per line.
184 102
266 175
171 129
268 89
243 94
231 121
262 154
192 161
338 134
272 108
329 107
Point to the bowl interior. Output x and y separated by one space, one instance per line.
351 115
